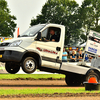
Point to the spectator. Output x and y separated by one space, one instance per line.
86 57
90 57
70 52
73 56
80 55
64 56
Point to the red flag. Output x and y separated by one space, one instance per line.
17 31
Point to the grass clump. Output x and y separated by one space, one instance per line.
31 76
43 91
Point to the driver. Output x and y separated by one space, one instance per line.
53 36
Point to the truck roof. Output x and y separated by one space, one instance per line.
53 24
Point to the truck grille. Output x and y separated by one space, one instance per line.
4 44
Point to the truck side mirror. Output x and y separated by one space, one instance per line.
18 35
38 36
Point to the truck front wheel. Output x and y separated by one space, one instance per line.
29 65
12 67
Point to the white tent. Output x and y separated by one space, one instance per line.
83 45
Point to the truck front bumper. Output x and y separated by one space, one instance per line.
11 54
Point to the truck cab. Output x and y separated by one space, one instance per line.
34 49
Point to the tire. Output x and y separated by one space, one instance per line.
73 80
29 65
92 74
12 67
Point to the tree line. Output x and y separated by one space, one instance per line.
7 21
77 19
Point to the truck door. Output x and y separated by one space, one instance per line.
50 50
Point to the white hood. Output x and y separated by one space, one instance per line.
27 39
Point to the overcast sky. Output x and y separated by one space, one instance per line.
24 10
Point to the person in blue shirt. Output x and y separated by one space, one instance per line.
86 57
64 56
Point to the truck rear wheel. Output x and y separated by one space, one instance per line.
12 67
73 80
29 65
92 74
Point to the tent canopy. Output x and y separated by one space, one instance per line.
83 45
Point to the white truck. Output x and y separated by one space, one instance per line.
31 51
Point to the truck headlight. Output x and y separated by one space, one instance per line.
15 43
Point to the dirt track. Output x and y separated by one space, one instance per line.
55 98
21 84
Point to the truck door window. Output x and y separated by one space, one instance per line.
48 36
55 35
44 34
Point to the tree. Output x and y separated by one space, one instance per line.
7 24
90 14
63 12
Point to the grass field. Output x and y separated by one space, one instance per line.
34 76
38 91
43 91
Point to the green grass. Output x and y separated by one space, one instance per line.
38 91
35 76
43 91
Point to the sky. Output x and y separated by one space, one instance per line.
25 10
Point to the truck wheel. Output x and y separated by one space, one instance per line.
72 81
92 74
29 65
12 68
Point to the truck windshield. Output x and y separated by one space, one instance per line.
32 31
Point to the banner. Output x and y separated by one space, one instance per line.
93 43
4 38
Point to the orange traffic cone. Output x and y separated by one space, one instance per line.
92 80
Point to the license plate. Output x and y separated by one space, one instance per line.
0 56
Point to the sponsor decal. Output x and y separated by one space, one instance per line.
93 50
1 48
39 49
94 44
96 35
46 50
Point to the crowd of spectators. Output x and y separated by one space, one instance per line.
75 56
